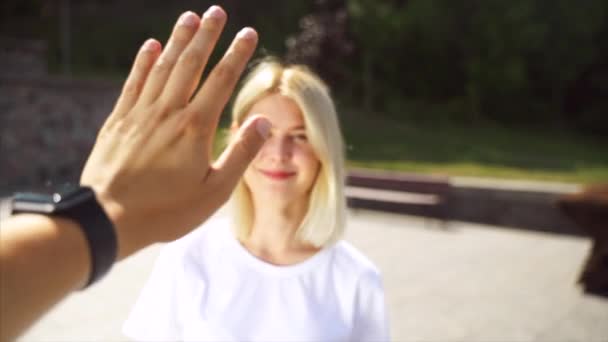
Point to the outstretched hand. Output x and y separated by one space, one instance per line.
151 165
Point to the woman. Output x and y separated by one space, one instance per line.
281 273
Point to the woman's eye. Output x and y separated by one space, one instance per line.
300 137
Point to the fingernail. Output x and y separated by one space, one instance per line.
149 45
214 12
188 19
247 33
263 126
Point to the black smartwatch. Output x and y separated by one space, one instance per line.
80 205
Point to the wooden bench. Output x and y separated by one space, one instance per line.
403 193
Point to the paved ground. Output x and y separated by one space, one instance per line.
459 282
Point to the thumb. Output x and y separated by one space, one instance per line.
233 162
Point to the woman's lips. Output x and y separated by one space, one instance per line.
279 175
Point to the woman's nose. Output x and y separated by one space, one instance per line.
278 148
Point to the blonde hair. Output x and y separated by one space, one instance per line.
325 219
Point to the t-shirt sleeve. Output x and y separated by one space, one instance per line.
371 321
155 314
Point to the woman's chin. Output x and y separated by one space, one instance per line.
279 196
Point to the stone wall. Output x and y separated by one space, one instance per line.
48 126
23 57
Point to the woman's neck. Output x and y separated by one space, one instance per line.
273 234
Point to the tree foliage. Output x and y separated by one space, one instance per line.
525 61
520 61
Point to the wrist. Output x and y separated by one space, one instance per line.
128 241
39 232
81 206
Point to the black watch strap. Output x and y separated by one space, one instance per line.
99 232
80 205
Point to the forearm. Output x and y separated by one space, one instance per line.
42 260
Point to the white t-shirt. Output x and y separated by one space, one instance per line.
207 287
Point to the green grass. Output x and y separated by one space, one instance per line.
486 150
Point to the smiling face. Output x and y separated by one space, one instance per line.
286 167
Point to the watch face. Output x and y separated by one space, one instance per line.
51 203
33 202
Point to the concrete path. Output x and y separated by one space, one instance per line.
456 282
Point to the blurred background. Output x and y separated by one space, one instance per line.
509 89
483 114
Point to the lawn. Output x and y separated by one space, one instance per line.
486 150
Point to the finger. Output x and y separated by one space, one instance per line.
208 103
187 72
231 165
147 55
184 29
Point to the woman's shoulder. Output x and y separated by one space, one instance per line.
349 259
